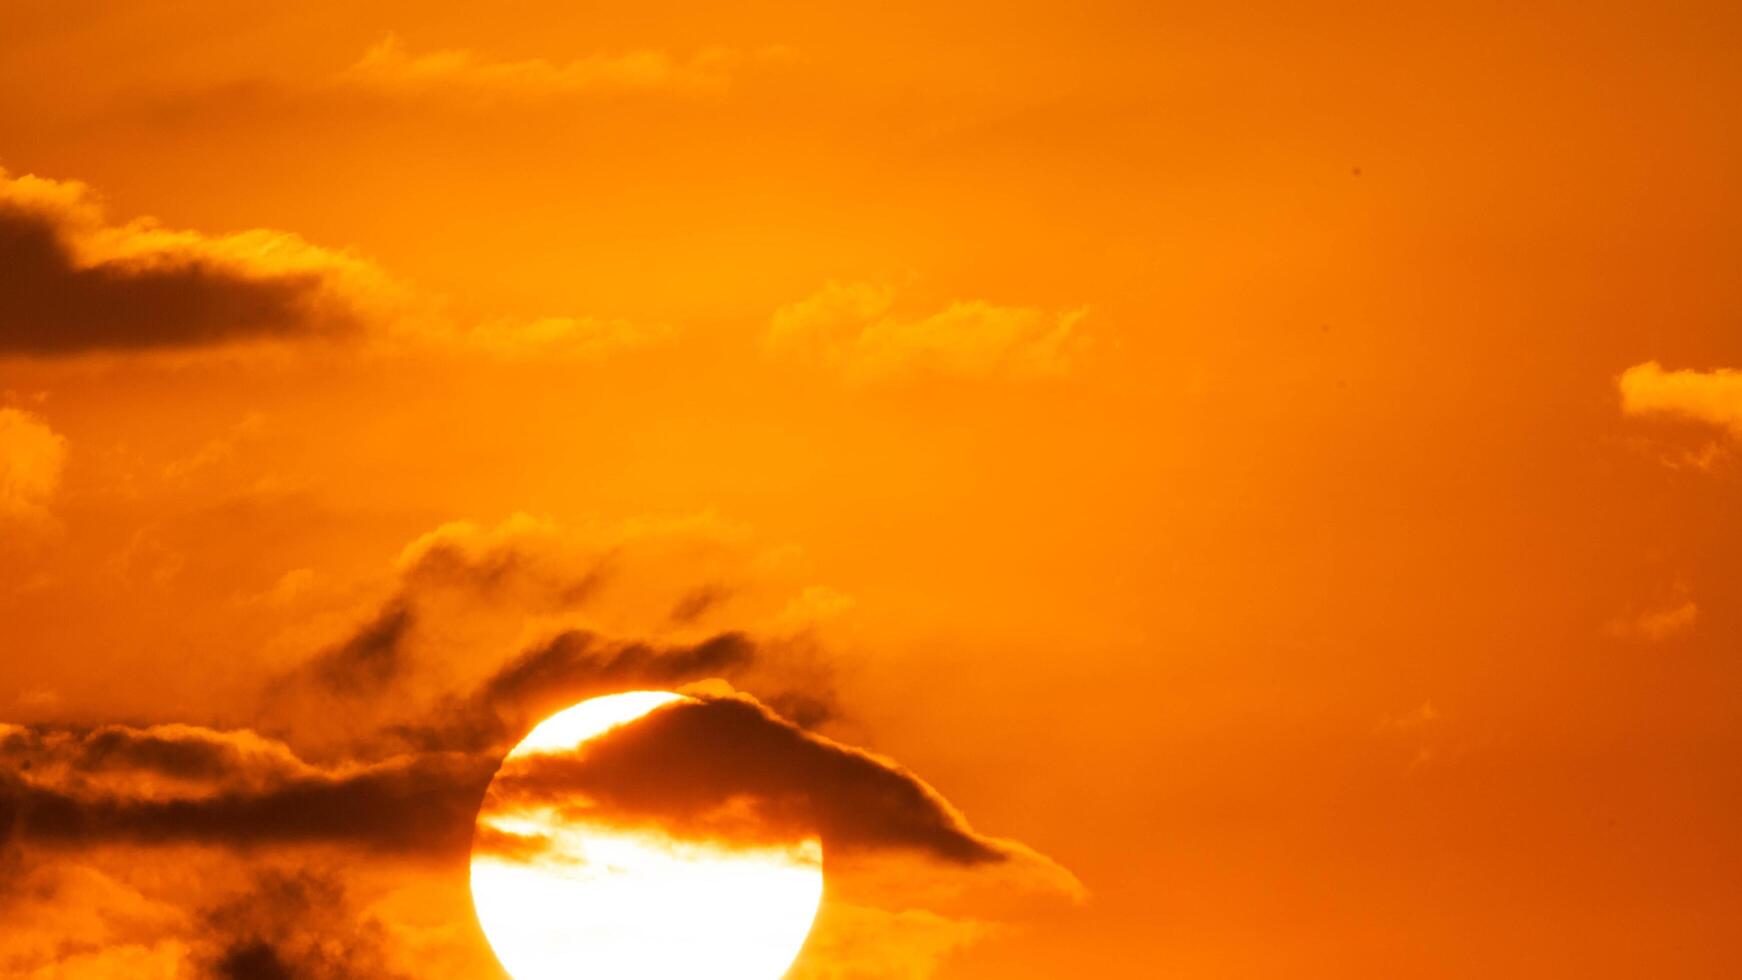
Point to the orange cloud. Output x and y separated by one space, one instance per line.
1658 623
1710 397
31 458
579 338
854 328
389 68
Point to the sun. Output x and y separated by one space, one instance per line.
606 903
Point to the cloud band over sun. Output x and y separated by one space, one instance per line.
401 786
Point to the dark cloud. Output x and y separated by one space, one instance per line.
292 926
571 667
51 303
370 658
577 664
419 806
731 768
696 603
683 767
804 709
506 562
181 753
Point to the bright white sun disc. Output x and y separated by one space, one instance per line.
596 902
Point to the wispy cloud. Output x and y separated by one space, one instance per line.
1676 615
390 68
856 329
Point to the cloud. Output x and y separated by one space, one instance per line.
523 558
424 709
1710 397
154 758
853 328
729 768
293 924
573 666
694 604
372 657
725 768
1659 623
388 68
77 283
418 806
569 337
84 923
588 608
32 456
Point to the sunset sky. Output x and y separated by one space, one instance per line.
1249 491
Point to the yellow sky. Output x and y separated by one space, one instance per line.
1276 463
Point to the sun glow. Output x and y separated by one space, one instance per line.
596 901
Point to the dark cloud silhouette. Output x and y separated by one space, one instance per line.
572 666
418 806
577 664
52 303
730 768
720 767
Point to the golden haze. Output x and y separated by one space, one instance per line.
1255 483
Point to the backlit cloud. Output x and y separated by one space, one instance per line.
855 328
1710 397
729 768
373 753
725 768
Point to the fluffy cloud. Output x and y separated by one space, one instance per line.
31 458
77 282
854 328
389 68
1710 397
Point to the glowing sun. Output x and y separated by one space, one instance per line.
563 894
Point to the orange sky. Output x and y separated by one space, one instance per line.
1278 463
